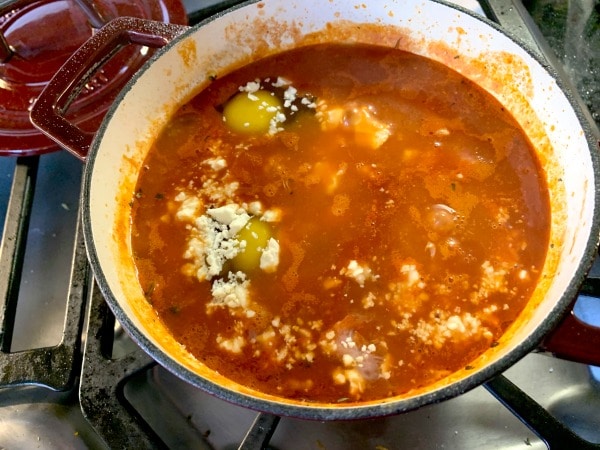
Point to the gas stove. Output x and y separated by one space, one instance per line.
71 378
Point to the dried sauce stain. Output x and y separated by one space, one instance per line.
187 51
264 36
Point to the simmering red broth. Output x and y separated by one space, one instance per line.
339 223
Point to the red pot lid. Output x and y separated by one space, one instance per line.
37 37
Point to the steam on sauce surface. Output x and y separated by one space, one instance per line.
340 223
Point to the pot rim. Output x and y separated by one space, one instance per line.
384 407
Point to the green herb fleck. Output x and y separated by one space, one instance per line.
149 291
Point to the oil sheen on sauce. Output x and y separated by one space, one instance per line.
372 226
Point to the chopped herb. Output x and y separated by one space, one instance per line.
159 196
148 292
469 367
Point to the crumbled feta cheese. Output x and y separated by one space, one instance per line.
210 246
308 103
224 214
289 96
444 328
356 381
250 86
359 273
216 164
280 82
348 360
233 345
278 117
368 301
271 215
231 293
269 259
492 280
218 191
411 273
254 208
188 210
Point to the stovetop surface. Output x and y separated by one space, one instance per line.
183 417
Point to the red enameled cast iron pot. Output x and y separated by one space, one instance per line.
469 44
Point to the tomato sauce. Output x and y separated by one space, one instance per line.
372 228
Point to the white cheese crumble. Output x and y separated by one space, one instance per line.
289 96
250 86
232 293
272 215
232 345
216 164
493 280
189 208
231 215
212 235
411 273
360 273
269 259
281 82
445 328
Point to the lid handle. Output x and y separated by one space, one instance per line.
48 111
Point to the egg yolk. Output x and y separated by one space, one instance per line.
252 112
256 235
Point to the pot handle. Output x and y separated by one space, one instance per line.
574 340
48 112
